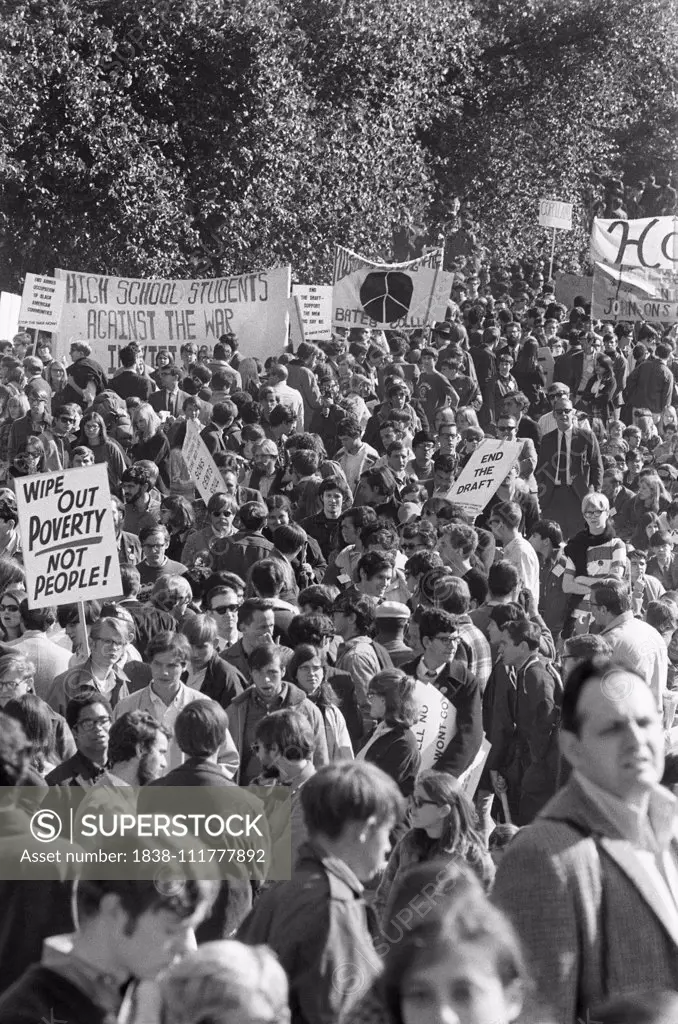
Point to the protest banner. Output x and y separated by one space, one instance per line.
554 214
483 473
110 312
634 293
68 537
200 464
10 304
296 323
389 295
650 243
42 302
316 310
437 722
570 286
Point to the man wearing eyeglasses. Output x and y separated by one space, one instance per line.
100 673
154 542
89 717
569 467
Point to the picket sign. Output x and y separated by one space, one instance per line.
315 301
556 215
42 303
436 728
483 473
200 464
68 537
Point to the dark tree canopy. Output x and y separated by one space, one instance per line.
198 137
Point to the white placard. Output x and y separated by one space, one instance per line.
437 723
483 473
68 536
316 310
554 214
201 466
42 303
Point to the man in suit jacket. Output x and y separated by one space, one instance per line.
569 466
569 368
591 884
440 638
169 398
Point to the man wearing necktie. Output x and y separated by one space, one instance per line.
569 466
169 398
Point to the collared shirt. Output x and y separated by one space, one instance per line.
480 663
426 674
521 554
649 832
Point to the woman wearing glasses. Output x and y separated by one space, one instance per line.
443 827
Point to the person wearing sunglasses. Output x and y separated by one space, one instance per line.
222 605
221 511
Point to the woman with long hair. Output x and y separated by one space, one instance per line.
443 825
639 517
150 442
392 745
177 515
93 435
307 669
15 407
34 715
250 370
163 359
530 376
11 627
597 398
221 511
55 375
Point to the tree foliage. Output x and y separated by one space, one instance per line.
200 137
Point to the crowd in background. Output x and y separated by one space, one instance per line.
282 634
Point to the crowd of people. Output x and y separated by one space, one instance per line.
285 632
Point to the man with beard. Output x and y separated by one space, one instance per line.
137 751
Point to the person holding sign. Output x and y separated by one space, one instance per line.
460 741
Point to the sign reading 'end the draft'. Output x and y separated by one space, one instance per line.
484 473
68 537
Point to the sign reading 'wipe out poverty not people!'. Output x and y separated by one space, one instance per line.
68 537
110 312
395 295
483 473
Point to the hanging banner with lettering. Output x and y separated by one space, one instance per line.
554 214
110 312
68 537
633 293
389 295
650 243
483 473
200 464
42 302
316 310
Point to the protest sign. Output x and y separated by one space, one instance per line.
483 473
68 537
296 323
389 295
316 310
554 214
110 312
200 464
650 243
10 304
634 293
570 286
42 302
437 722
471 777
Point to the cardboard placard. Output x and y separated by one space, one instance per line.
42 303
201 466
483 473
68 537
555 214
316 310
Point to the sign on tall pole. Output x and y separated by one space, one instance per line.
556 215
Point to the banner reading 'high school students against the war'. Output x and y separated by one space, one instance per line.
110 312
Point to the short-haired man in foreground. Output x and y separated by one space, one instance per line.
592 884
317 922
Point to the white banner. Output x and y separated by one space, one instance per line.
68 537
10 304
201 466
483 473
110 312
633 293
316 310
554 214
395 295
650 243
42 302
